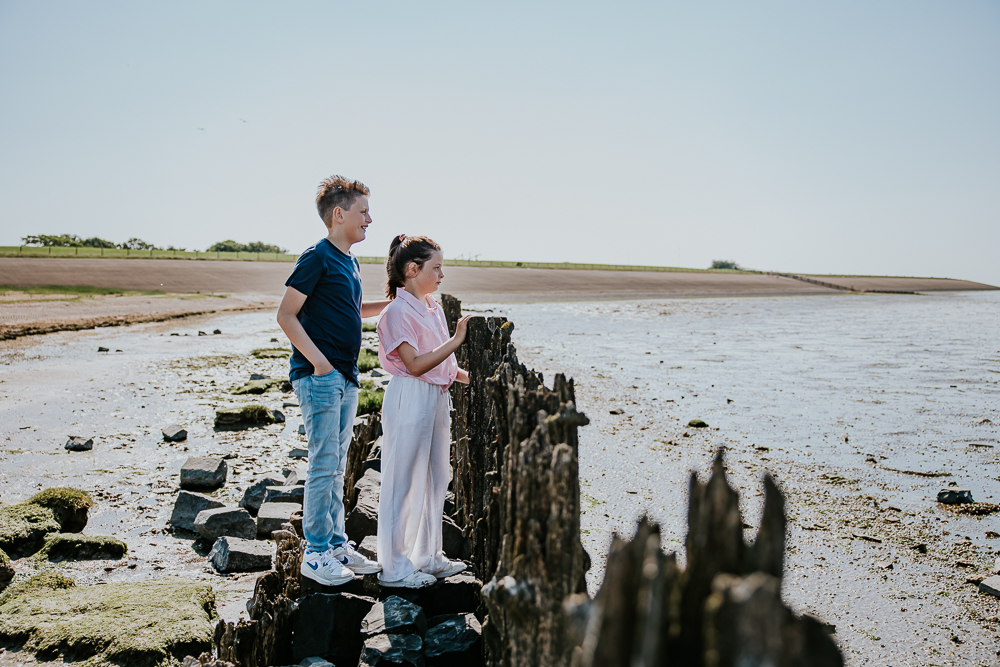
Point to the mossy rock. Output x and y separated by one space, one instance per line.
138 624
263 386
697 423
6 569
23 526
247 416
368 360
271 353
73 546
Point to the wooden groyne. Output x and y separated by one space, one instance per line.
515 465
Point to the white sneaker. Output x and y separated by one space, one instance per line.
322 567
354 561
453 567
416 579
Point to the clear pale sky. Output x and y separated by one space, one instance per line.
841 137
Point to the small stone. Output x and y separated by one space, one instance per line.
990 586
298 453
77 443
294 476
103 349
203 472
954 496
453 639
315 662
369 547
920 548
270 516
289 403
285 494
302 429
187 506
385 650
225 522
274 340
279 416
616 411
394 615
253 497
697 423
202 333
216 332
232 554
174 433
992 535
258 376
376 373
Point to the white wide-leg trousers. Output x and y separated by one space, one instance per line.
416 444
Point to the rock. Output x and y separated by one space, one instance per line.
369 547
23 526
174 433
270 516
394 616
134 623
298 453
454 640
372 464
74 546
248 416
385 650
258 376
697 423
376 373
370 483
274 340
454 543
294 476
261 384
616 411
990 586
302 429
6 570
363 519
327 625
103 349
289 403
315 661
225 521
187 506
216 332
203 472
457 594
202 333
954 496
285 494
254 495
77 443
279 416
233 554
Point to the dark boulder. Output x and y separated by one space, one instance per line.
77 443
396 650
394 616
187 506
253 497
454 640
233 554
327 625
225 521
204 472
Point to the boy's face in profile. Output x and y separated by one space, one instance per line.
355 220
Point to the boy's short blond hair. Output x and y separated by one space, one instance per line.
337 191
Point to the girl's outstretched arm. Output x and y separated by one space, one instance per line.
419 364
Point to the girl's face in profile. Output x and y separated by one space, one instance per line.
428 277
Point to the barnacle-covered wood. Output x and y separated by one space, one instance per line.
723 610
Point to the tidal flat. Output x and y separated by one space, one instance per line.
862 407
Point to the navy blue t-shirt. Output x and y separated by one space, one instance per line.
331 315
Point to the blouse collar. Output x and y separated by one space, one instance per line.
414 303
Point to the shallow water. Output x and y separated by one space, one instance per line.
852 402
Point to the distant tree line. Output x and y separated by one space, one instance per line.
74 241
725 264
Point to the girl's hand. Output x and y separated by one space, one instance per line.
460 329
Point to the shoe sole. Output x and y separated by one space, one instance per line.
398 584
365 569
333 581
442 575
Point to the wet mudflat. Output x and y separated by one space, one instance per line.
863 407
851 401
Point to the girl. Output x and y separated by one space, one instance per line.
415 349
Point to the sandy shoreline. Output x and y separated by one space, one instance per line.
205 287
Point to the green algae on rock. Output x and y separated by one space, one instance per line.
6 569
697 423
23 526
248 415
139 624
73 546
271 353
263 386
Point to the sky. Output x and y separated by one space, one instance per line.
853 137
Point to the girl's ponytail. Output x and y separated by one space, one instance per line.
403 250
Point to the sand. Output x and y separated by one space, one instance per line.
260 285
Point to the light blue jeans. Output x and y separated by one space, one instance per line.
329 404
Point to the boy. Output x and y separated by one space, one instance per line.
321 314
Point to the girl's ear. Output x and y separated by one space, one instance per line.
411 270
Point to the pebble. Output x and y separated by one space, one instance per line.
77 443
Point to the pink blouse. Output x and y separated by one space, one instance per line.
423 326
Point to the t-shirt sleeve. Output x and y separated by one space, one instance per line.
307 272
394 330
